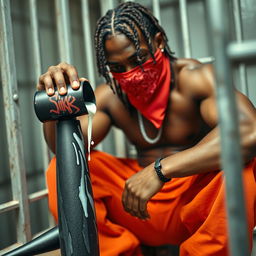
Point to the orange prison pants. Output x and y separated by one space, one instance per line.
188 211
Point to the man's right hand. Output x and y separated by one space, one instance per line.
57 77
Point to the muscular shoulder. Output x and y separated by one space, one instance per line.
195 79
104 96
106 100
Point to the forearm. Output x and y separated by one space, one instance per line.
49 134
205 156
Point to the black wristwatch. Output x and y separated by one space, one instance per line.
158 168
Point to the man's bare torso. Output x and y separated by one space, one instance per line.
183 126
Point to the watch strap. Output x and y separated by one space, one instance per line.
158 169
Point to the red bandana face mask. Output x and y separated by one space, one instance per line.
148 89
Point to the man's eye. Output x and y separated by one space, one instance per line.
116 69
135 62
144 58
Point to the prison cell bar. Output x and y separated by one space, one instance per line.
105 5
245 51
230 140
38 68
14 204
13 124
87 38
119 138
239 38
156 9
37 60
88 42
63 30
185 28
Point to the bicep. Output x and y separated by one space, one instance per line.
246 111
208 110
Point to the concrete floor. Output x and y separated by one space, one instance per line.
53 253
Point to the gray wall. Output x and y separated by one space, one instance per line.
31 128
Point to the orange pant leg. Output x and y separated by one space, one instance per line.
113 239
188 211
206 220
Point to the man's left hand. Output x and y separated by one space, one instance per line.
138 189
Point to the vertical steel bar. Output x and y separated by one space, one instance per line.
63 30
37 67
230 142
239 38
185 28
88 42
156 10
119 138
128 150
105 5
13 124
88 47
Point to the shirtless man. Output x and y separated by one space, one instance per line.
167 108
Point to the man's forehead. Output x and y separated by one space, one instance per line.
119 42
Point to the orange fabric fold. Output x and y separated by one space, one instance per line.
188 211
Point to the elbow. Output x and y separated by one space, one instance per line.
248 145
49 135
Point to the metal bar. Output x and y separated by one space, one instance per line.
63 30
35 38
242 51
88 43
230 142
13 124
185 28
14 204
89 48
156 10
243 79
37 68
239 38
11 205
38 195
206 60
238 20
106 5
119 138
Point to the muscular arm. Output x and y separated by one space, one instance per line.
205 156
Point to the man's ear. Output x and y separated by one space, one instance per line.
159 41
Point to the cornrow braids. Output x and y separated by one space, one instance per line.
125 19
138 20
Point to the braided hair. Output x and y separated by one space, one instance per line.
124 19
